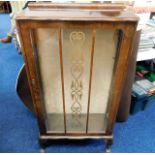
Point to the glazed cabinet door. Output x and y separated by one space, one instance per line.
76 68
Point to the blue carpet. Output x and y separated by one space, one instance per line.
19 130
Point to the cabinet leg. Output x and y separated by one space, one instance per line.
108 144
42 143
42 150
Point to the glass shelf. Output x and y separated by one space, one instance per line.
97 123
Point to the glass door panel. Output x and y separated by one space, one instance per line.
103 65
65 59
76 47
50 75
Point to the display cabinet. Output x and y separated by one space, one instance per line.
76 56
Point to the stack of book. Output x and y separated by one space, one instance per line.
147 86
151 22
141 91
147 40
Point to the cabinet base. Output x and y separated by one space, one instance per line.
44 141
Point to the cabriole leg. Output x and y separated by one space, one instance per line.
42 143
108 144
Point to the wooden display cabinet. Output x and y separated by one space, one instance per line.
76 56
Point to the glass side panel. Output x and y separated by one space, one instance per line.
104 58
50 74
76 46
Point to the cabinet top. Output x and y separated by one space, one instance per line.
77 12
